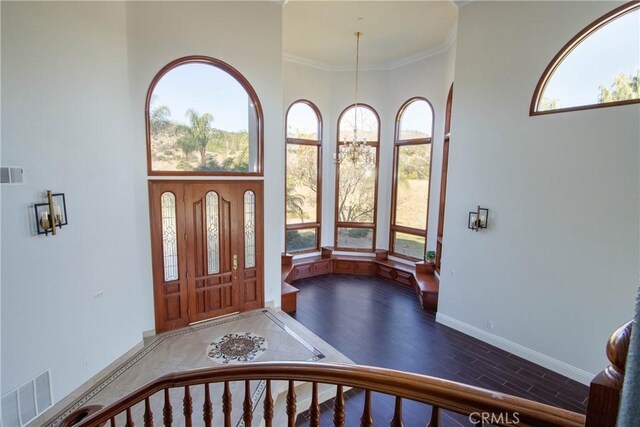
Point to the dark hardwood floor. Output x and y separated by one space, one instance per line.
378 322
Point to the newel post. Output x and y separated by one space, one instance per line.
606 387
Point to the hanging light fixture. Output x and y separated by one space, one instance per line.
356 149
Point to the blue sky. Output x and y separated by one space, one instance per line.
610 50
206 89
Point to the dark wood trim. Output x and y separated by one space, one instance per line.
207 60
566 50
408 230
586 107
394 184
443 177
303 141
417 141
316 110
303 226
376 146
356 224
307 142
447 395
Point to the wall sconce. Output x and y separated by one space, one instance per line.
55 207
478 219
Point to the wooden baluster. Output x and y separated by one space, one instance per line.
314 408
148 414
268 406
187 405
606 387
207 407
167 411
367 419
396 421
113 421
226 404
291 404
129 422
435 417
247 405
338 407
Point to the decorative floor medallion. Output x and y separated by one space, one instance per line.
237 348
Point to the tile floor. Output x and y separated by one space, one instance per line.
186 349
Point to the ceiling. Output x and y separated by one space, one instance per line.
322 32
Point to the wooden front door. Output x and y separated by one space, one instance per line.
215 265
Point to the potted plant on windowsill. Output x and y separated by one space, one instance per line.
431 257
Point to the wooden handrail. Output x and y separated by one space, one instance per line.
606 387
439 393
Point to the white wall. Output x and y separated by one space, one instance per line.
557 269
66 120
75 76
384 90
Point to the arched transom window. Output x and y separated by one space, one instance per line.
203 118
599 67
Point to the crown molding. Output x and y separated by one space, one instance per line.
308 62
382 66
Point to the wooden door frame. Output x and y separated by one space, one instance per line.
156 248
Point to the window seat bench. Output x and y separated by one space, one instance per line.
419 276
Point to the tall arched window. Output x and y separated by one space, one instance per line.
357 181
411 179
203 118
303 177
599 67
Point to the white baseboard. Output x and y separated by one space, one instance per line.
149 333
538 358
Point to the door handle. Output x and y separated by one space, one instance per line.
235 262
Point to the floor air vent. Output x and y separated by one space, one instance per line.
21 405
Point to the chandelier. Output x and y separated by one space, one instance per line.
355 150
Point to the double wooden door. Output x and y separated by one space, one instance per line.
207 249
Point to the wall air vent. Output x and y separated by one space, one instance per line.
11 175
23 404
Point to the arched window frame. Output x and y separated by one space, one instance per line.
317 225
397 143
566 50
369 226
207 60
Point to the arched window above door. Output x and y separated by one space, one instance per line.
203 118
599 67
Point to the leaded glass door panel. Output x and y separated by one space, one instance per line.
213 250
220 247
168 251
